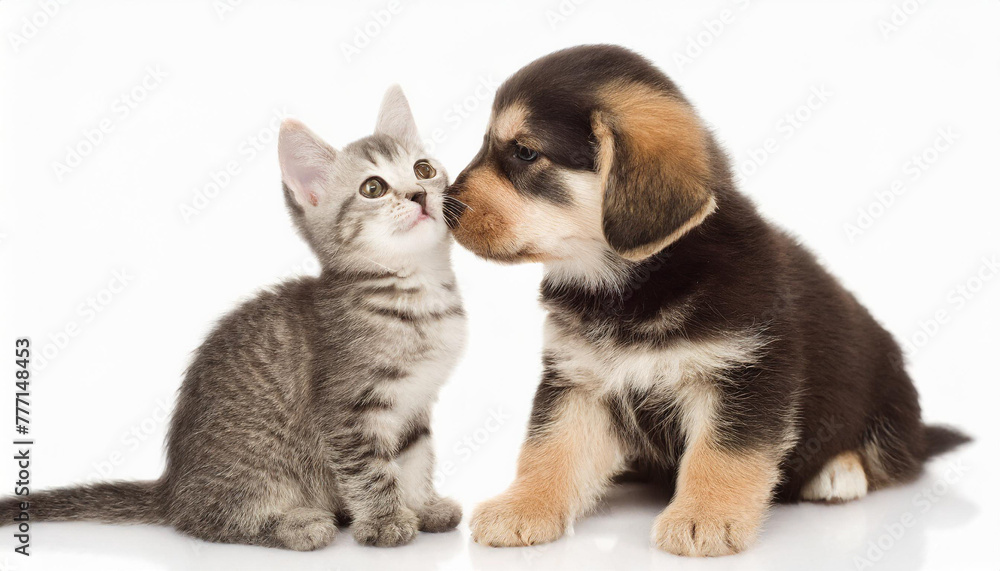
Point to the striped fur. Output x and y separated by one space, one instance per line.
309 406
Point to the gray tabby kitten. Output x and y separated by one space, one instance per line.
310 405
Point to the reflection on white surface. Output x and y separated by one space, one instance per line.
890 529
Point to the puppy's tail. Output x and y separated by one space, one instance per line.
107 502
939 439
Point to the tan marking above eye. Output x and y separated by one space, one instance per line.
510 122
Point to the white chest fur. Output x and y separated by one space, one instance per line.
685 371
425 347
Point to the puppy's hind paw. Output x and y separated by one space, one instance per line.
842 479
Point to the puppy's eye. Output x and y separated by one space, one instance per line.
374 188
524 153
423 169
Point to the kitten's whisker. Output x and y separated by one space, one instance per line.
449 208
387 268
463 204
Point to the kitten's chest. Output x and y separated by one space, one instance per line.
419 348
430 348
419 332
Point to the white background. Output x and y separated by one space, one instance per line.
99 402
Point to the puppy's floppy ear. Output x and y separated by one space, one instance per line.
305 160
395 118
653 159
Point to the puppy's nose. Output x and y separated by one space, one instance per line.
420 197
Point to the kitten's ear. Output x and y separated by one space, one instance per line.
306 161
395 118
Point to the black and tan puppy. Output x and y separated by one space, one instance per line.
686 337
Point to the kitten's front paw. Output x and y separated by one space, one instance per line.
306 529
397 529
510 520
441 514
686 529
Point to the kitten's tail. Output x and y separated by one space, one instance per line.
107 502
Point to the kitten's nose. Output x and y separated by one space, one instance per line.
420 197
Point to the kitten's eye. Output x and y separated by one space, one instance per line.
423 169
524 153
374 188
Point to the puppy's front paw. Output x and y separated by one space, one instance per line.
397 529
441 514
510 520
684 529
